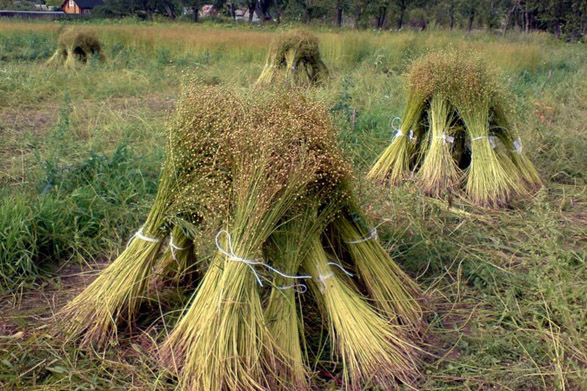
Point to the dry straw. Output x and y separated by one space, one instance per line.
190 186
294 58
260 181
440 172
392 290
75 46
462 134
374 352
287 247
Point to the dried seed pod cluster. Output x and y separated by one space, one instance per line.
294 58
258 183
456 132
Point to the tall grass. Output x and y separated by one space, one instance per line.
71 215
340 49
507 288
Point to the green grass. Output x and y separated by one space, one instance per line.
79 158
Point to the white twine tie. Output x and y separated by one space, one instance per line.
393 121
518 146
446 138
299 288
323 277
341 268
250 262
139 234
174 247
398 130
490 138
372 235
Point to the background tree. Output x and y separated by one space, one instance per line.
401 6
381 9
310 8
565 18
451 9
341 7
196 5
470 9
359 9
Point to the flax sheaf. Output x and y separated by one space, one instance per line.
463 139
76 46
294 59
255 182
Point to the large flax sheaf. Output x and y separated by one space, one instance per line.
76 46
457 134
255 196
294 59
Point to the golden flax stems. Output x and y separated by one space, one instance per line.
373 351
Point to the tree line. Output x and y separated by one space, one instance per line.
560 17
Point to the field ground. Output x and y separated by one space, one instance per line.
80 153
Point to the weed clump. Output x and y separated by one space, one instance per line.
294 58
457 132
76 46
255 192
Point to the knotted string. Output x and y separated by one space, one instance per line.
446 138
139 234
411 135
518 146
252 263
490 138
372 235
299 288
174 247
398 130
323 277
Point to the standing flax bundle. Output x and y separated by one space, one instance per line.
500 127
294 58
374 352
393 292
462 134
117 292
258 183
76 46
489 180
439 172
191 178
274 163
287 248
399 157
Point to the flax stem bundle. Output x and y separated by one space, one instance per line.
76 46
390 288
257 182
294 58
455 96
373 351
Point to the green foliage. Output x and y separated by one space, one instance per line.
506 288
25 47
71 216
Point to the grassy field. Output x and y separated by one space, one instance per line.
80 152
